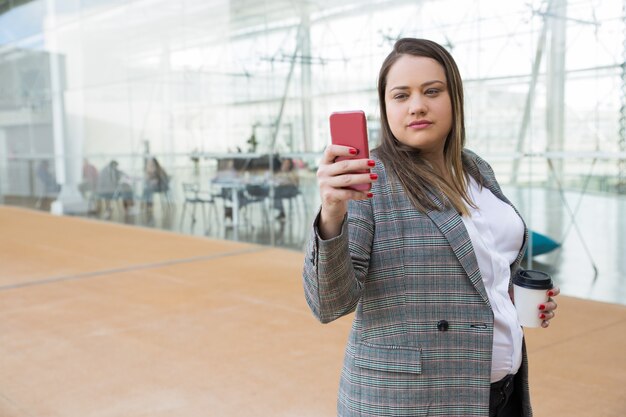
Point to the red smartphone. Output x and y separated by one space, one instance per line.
349 128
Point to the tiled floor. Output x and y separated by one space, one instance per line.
102 320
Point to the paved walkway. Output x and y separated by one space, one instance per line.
106 320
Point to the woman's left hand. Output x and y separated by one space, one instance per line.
546 310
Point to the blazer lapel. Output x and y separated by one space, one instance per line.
451 225
487 179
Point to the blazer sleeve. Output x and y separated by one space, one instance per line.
335 269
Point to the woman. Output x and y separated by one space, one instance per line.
287 182
155 181
425 258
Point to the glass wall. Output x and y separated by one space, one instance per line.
199 83
206 75
212 87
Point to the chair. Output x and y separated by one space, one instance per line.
293 195
540 244
165 193
257 194
244 196
194 196
88 191
163 189
47 186
45 196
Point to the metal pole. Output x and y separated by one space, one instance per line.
530 96
621 185
277 127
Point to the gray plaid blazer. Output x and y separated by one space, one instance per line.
421 340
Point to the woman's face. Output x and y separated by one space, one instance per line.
418 104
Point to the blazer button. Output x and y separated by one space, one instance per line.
442 325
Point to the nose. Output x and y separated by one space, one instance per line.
417 105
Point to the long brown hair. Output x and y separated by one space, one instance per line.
159 172
417 176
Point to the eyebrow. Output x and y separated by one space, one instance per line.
425 84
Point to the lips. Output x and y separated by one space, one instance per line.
420 124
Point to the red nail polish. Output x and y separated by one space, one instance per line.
370 195
371 163
373 176
542 307
353 151
542 316
550 293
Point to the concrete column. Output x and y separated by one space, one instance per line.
67 149
555 114
555 82
621 164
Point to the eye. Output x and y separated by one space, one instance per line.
432 92
399 96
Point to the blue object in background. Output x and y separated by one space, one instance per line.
541 244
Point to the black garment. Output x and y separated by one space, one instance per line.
284 191
504 400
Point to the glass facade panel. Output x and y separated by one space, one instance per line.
203 84
206 76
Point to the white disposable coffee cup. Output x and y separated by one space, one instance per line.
530 288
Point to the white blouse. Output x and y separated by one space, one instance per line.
497 234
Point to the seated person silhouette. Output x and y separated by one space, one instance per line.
111 185
156 180
89 182
47 179
287 186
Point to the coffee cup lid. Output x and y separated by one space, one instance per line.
530 278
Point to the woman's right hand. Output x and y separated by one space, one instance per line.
333 178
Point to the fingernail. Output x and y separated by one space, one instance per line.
542 307
373 176
371 163
370 195
550 293
542 316
353 151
